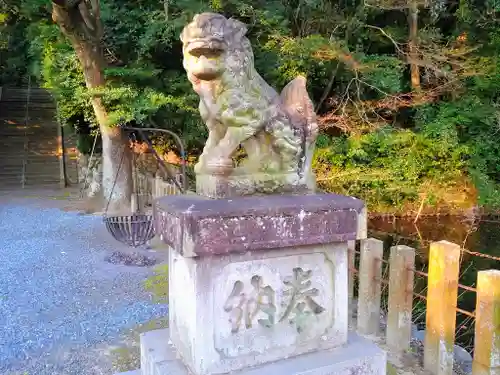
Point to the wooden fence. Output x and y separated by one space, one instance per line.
148 188
440 299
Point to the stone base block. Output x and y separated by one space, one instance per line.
359 356
235 185
237 311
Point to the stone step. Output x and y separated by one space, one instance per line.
40 159
21 95
21 134
17 151
39 185
134 372
20 118
33 133
16 114
29 182
31 139
35 156
28 171
35 162
34 119
20 113
48 171
34 179
21 103
19 124
29 179
359 356
19 109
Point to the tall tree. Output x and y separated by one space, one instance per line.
81 23
413 44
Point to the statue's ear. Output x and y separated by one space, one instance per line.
237 28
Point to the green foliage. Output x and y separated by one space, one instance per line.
391 146
383 72
388 167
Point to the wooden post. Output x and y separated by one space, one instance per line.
401 263
370 286
61 154
157 188
351 249
487 335
444 267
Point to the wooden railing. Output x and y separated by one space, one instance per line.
440 300
148 188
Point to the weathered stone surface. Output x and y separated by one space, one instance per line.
357 357
278 132
198 227
240 310
219 186
155 348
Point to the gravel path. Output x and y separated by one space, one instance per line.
59 298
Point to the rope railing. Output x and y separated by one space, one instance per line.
463 249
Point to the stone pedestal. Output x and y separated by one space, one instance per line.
357 357
241 184
258 285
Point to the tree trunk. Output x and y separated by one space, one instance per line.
412 44
116 153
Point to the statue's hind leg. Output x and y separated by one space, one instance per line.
288 146
261 156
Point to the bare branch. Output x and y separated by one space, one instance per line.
328 87
395 4
396 44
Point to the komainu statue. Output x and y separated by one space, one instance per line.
277 132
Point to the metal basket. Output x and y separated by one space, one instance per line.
135 230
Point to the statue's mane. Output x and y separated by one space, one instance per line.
240 61
240 58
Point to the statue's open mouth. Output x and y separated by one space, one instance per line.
209 48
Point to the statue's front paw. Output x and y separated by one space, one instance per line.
219 166
198 167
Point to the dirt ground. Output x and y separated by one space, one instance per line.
125 354
68 302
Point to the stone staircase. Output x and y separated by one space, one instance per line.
29 146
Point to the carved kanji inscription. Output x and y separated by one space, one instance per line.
298 304
243 308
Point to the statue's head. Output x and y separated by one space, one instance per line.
208 41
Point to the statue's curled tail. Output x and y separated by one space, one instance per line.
299 107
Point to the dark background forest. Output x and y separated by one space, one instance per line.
407 91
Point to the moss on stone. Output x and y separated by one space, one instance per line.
158 284
128 356
391 370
